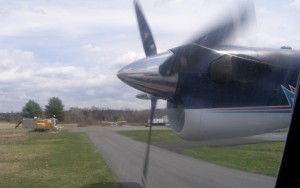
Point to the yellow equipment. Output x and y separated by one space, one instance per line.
42 124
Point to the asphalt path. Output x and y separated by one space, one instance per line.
166 169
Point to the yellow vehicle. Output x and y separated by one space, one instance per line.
42 124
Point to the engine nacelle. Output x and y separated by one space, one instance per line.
208 124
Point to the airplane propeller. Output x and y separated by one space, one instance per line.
146 161
145 32
150 49
230 25
170 65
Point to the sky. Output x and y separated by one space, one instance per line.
73 49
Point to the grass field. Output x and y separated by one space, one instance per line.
263 158
51 159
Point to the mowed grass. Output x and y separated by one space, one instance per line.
156 135
262 158
51 159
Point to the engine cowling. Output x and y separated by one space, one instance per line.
208 124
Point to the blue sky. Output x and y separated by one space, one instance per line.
73 49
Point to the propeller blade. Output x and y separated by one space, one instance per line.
145 32
146 161
153 108
228 26
210 39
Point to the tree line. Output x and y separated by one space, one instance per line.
80 116
95 116
55 108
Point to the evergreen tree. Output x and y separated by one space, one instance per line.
55 108
31 109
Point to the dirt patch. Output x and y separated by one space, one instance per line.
6 138
7 125
9 168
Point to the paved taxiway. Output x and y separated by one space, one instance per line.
166 169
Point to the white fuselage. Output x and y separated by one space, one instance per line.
206 124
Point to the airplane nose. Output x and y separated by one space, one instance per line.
144 75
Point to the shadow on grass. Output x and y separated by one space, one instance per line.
113 185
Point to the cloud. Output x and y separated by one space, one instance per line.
128 57
294 4
67 19
23 78
73 49
15 58
88 48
